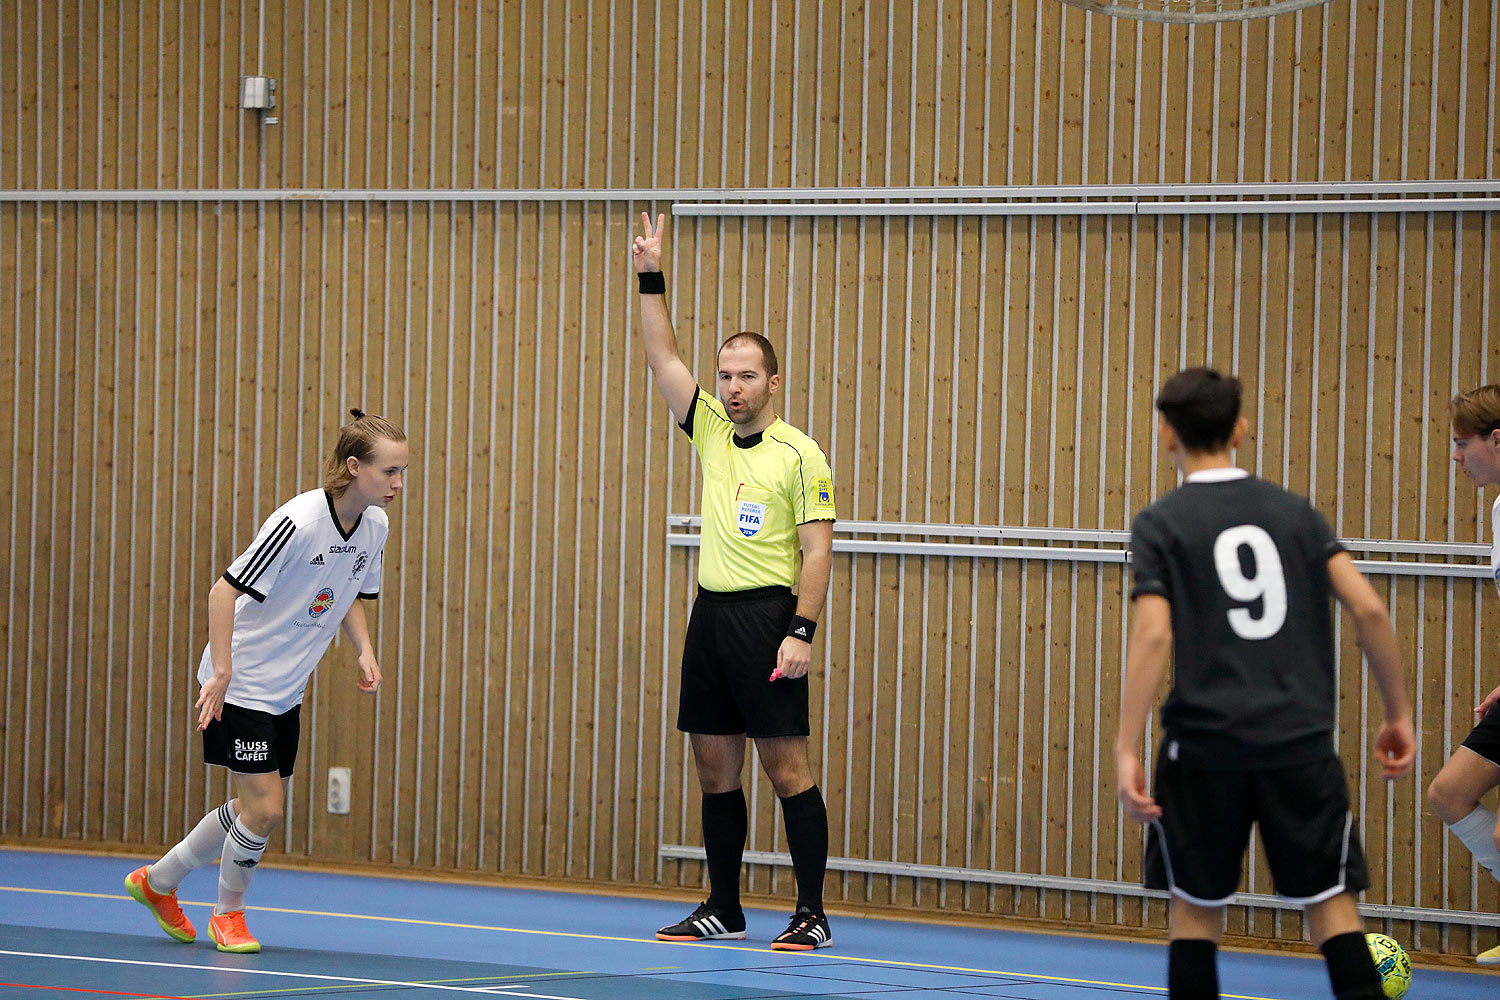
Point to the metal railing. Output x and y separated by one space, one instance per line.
990 542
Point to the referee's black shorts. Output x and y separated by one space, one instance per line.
1197 848
727 659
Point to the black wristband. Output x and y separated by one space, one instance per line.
652 283
801 628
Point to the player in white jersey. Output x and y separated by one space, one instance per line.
1474 768
270 619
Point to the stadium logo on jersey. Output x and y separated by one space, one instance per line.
317 560
752 516
338 550
825 492
359 565
322 602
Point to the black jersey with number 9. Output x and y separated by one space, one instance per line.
1244 565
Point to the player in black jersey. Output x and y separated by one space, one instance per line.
1234 579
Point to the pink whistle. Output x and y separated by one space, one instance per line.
776 674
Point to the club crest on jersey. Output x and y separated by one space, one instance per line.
321 603
751 517
359 565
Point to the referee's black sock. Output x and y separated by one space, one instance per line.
1351 970
1193 970
726 823
807 839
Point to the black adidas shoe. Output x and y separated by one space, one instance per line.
808 930
707 924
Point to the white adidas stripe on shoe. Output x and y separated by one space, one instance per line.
706 924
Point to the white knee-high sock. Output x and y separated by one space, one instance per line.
199 848
242 851
1477 832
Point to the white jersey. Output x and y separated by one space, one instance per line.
297 581
1495 542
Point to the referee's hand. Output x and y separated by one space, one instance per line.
792 659
647 249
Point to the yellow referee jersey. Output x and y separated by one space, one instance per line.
756 491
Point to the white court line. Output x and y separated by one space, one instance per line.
1034 977
507 991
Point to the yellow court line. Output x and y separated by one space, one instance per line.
625 940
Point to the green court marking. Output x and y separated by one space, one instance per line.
651 940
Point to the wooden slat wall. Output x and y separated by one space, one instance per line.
171 371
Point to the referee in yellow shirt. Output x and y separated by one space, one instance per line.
767 525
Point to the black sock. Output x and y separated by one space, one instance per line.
1193 970
807 839
726 823
1351 970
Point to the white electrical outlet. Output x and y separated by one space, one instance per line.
338 790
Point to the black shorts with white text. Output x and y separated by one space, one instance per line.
248 741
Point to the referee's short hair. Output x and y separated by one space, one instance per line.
1201 406
1476 412
767 352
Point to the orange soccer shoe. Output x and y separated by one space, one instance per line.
230 933
163 906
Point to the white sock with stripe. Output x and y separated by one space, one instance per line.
198 849
242 851
1476 831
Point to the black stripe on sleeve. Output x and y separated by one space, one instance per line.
369 597
687 421
242 588
266 555
801 481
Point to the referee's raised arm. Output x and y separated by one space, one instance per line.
673 378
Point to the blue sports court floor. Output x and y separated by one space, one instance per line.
67 929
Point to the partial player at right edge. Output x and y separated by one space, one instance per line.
1474 768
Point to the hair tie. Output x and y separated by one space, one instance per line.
357 413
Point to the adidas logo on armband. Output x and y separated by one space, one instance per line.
317 560
800 631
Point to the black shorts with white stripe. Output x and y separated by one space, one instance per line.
1484 738
1196 849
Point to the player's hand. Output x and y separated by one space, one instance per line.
647 249
1483 708
210 703
1130 789
792 659
1395 748
369 674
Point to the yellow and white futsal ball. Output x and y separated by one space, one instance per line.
1392 963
